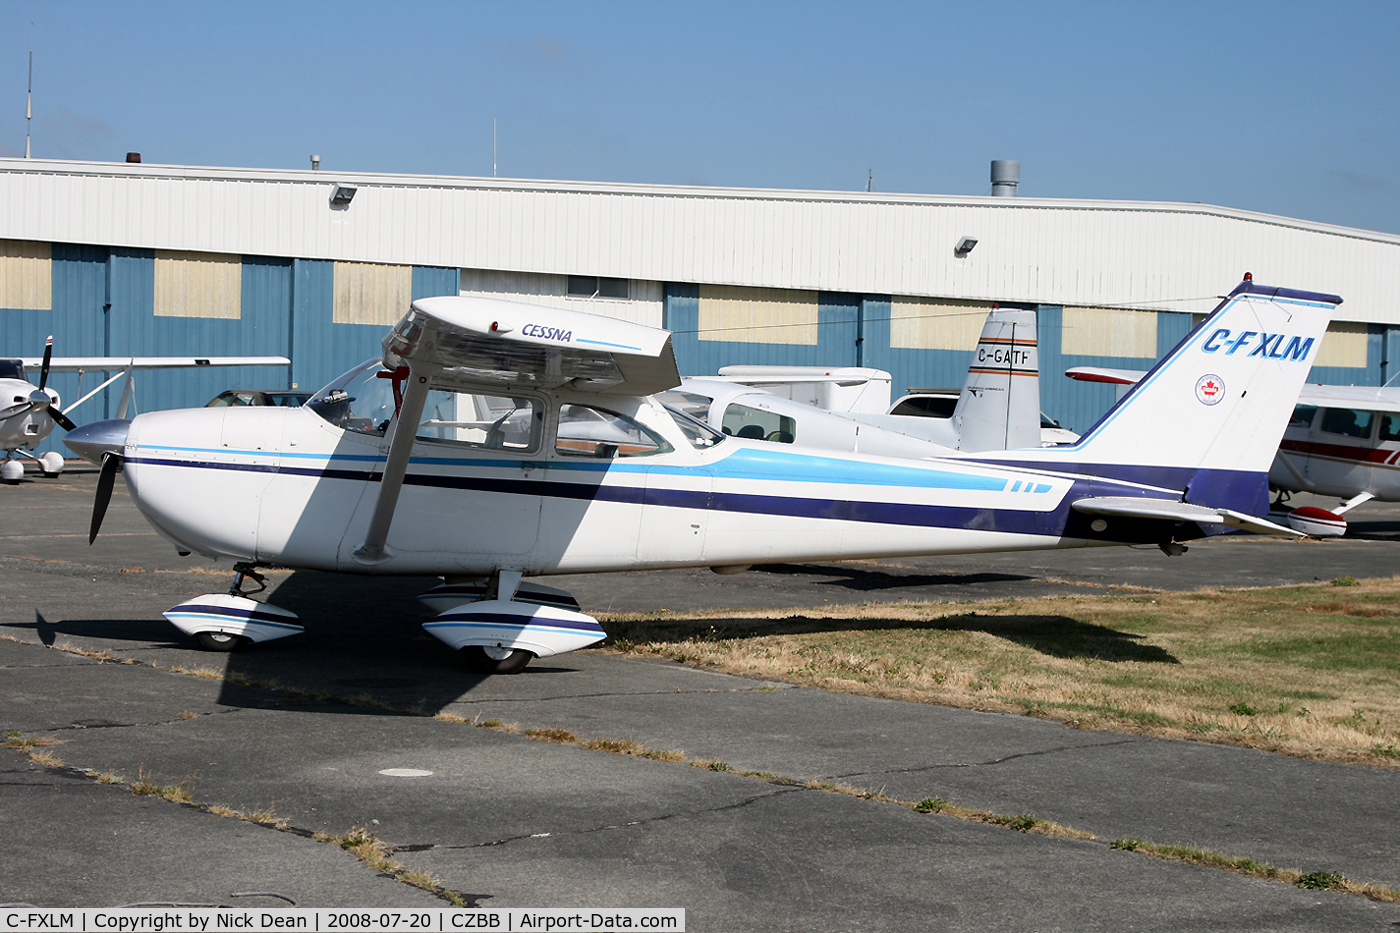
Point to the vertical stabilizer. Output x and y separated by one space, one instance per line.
1220 400
999 408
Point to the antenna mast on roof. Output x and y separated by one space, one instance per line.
29 94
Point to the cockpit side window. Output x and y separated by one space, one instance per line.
1390 427
12 369
486 421
585 431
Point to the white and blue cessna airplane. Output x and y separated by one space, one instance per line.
494 441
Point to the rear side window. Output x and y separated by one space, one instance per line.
1390 427
756 424
928 406
585 431
1348 422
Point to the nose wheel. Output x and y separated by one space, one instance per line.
226 621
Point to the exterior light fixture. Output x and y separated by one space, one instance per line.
964 246
341 195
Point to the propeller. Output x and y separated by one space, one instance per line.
44 369
40 400
106 479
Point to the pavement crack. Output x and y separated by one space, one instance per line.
611 826
988 763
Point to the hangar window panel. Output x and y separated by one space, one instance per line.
1109 332
26 275
1345 344
371 293
201 285
597 286
736 314
935 324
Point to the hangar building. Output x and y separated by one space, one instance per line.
139 259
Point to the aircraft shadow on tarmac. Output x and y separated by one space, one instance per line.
139 630
859 578
364 651
1053 635
1371 530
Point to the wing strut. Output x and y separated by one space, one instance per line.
374 549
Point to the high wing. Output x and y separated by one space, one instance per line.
455 342
70 364
486 341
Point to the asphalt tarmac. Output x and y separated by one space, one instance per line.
307 727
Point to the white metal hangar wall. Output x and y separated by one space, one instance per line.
136 258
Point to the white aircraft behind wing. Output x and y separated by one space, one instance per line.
496 440
1341 441
997 409
28 413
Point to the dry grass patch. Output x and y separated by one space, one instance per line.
1307 670
175 793
371 850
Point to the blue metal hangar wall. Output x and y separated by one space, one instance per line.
117 258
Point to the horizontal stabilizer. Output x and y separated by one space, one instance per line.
1118 377
1172 510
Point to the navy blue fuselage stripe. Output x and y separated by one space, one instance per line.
1241 490
1060 521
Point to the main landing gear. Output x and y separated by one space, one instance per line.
12 471
498 625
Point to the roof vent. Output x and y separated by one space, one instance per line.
1006 175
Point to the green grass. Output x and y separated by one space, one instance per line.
1281 668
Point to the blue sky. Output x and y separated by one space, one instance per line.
1286 108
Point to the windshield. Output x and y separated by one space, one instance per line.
357 401
362 400
700 434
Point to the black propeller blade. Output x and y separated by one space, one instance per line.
111 466
44 369
63 420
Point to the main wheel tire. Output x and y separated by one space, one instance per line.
218 641
493 660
